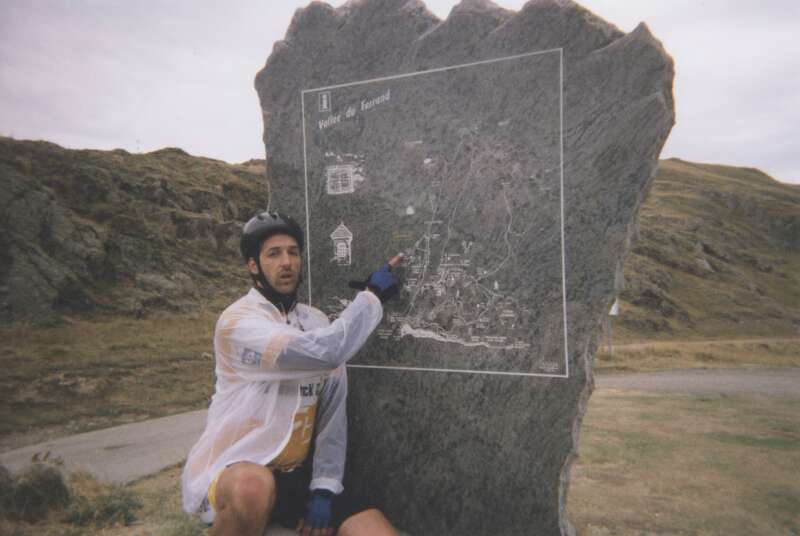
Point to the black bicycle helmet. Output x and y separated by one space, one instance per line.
262 226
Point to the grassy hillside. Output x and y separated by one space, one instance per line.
114 267
99 233
114 233
718 256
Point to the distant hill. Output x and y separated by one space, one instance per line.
109 232
97 233
718 255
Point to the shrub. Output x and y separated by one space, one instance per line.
115 506
6 491
31 495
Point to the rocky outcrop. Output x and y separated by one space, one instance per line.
84 232
469 452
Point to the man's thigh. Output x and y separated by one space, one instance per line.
370 522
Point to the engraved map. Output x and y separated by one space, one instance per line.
458 168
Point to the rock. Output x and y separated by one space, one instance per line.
713 250
752 287
36 228
764 265
477 148
156 282
704 265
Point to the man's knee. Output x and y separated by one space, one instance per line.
247 489
370 522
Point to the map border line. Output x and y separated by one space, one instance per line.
434 70
560 51
464 371
305 181
561 197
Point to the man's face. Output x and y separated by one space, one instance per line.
280 262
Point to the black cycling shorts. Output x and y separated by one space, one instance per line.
292 496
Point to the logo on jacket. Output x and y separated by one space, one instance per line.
250 357
312 389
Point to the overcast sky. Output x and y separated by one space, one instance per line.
147 74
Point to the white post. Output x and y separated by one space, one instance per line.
613 312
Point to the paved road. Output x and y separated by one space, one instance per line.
131 451
122 453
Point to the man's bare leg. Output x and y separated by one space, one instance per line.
370 522
245 497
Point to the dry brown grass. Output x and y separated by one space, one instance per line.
727 353
85 375
667 464
649 464
88 507
154 502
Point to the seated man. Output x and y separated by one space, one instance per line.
281 386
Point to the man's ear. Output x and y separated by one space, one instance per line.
252 266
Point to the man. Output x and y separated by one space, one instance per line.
281 386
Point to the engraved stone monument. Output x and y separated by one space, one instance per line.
505 154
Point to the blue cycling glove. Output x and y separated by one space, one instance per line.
319 509
382 282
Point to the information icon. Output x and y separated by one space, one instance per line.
325 101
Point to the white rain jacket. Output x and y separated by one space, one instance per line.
262 359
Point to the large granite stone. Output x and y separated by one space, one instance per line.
506 154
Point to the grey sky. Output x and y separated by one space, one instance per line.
148 74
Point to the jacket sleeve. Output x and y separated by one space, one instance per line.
255 348
330 446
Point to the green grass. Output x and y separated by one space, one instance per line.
768 442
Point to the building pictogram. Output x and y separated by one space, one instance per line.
342 240
340 179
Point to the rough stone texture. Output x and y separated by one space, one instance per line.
454 453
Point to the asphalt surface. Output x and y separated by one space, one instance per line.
128 452
119 454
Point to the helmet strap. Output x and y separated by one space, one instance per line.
284 302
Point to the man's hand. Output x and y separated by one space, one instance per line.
382 282
318 515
